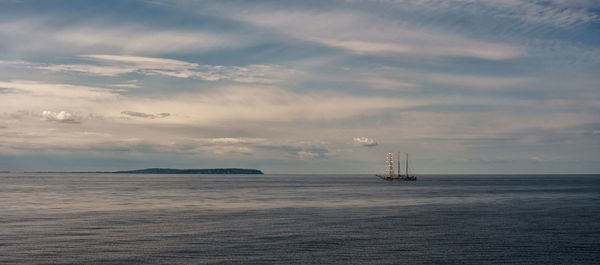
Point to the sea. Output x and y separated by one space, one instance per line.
71 218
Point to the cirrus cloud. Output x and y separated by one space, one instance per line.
145 115
115 65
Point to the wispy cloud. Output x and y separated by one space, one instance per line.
479 82
363 34
125 85
145 115
556 13
560 13
69 91
384 83
302 152
124 39
313 153
114 65
139 40
232 140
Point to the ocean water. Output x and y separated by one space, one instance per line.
298 219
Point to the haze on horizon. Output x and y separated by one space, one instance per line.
464 86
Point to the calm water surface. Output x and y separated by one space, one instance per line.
298 219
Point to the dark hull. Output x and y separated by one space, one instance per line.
406 178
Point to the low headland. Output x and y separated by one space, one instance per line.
171 171
191 171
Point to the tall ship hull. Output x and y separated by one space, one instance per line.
396 177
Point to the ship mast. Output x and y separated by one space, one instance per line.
398 164
406 168
390 164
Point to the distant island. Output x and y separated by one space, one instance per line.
190 171
168 171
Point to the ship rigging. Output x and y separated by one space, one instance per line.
390 169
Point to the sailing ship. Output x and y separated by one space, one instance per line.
390 169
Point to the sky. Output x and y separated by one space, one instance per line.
301 87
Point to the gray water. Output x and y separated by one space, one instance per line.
298 219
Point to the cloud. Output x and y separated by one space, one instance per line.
213 106
140 40
479 82
39 89
143 62
390 78
61 116
126 38
227 145
145 115
126 85
298 151
471 137
284 148
537 159
429 46
115 65
558 15
555 13
313 153
364 141
16 63
388 84
27 101
233 140
274 104
361 33
100 70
